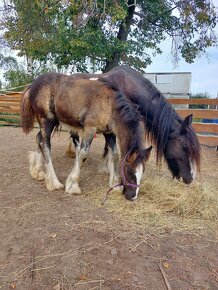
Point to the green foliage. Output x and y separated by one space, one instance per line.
7 62
18 76
107 32
204 95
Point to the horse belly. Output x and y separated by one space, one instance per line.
70 115
67 127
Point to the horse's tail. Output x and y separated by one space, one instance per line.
26 111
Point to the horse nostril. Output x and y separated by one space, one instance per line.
187 180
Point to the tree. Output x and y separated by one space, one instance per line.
17 75
205 95
104 33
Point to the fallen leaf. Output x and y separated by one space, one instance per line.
53 235
166 265
83 278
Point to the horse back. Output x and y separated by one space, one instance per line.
72 100
89 102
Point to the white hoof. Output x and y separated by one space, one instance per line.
73 188
102 168
36 165
37 173
53 184
115 182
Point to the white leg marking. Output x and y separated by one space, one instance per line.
72 186
112 170
139 171
51 179
103 168
193 168
36 165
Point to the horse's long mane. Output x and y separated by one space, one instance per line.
158 118
130 117
157 113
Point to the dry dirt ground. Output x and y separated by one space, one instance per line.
53 241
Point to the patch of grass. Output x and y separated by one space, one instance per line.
8 119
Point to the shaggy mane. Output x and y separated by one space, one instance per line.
131 117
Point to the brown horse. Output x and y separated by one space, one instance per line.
89 107
173 137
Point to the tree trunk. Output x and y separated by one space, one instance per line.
122 36
29 61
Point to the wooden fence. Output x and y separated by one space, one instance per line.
207 132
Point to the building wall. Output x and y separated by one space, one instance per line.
173 85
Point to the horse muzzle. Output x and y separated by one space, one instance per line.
130 193
187 180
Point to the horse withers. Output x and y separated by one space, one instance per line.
89 107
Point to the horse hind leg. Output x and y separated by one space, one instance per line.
51 179
82 149
103 167
70 152
37 170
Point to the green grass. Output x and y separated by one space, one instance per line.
12 120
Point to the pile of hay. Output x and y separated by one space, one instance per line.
166 203
162 202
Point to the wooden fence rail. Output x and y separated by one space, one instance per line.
207 132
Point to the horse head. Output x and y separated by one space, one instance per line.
182 151
132 169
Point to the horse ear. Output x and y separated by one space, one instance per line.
186 122
147 153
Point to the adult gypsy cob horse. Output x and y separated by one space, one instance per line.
89 107
173 137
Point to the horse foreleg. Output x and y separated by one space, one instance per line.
82 149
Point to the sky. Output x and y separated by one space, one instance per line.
204 69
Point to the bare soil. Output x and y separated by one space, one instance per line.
53 241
